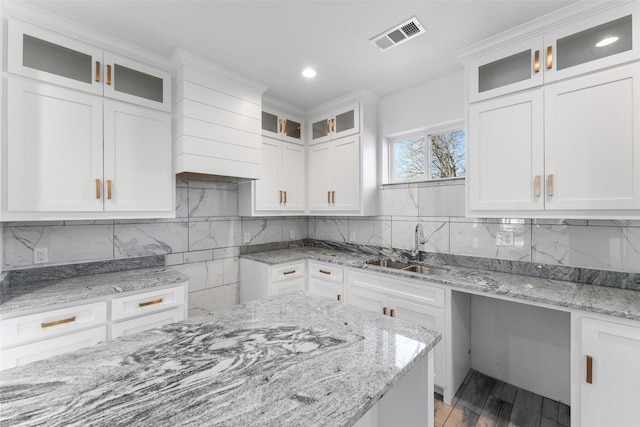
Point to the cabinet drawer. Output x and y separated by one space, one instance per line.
44 349
148 302
418 291
326 272
144 323
289 271
51 323
277 288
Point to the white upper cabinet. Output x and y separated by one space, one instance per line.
335 124
282 126
555 50
51 57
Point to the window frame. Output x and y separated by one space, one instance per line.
426 133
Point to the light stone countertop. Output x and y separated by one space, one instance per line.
26 297
289 360
610 301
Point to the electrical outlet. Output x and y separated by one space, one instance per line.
247 237
504 238
292 234
40 255
352 236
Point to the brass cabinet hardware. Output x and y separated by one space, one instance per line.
109 189
98 188
280 196
537 180
536 63
589 369
286 273
285 197
333 197
384 310
58 322
549 57
109 74
325 272
329 197
155 301
550 185
284 125
97 71
328 125
392 313
333 125
339 297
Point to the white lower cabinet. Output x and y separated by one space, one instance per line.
258 280
609 373
326 280
417 303
35 336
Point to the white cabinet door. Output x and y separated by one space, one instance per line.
54 147
137 147
324 288
505 153
346 175
592 141
144 323
293 176
285 286
429 317
268 192
51 57
612 396
319 176
364 296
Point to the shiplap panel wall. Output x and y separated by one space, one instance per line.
217 127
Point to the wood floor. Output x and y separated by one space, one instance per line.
483 401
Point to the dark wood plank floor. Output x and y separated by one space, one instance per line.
483 401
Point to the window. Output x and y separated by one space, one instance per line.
426 156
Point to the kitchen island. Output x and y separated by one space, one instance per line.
290 360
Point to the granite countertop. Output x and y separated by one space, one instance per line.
623 303
289 360
46 293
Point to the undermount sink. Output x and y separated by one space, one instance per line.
414 268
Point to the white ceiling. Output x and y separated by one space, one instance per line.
272 41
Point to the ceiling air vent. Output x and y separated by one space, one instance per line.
398 34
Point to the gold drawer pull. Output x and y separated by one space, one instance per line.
97 71
384 310
58 322
97 188
537 185
280 196
155 301
549 57
589 369
333 125
109 74
328 125
536 64
324 272
392 313
285 197
109 189
286 273
339 297
329 197
333 197
550 185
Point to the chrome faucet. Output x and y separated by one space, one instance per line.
419 239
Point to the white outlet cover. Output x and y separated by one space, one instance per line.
504 238
352 236
40 255
292 234
247 237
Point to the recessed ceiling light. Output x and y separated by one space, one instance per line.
309 73
607 41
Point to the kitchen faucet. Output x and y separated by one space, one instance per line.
419 239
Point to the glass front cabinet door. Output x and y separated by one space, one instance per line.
336 124
281 126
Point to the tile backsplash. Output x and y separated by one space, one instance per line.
204 239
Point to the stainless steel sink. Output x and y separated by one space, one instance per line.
414 268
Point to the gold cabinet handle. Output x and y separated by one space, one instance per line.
589 370
536 62
384 310
329 197
280 125
339 297
286 273
333 125
325 272
98 71
109 189
98 188
280 196
109 74
284 125
392 313
328 125
285 197
537 184
58 322
549 57
333 197
155 301
550 185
